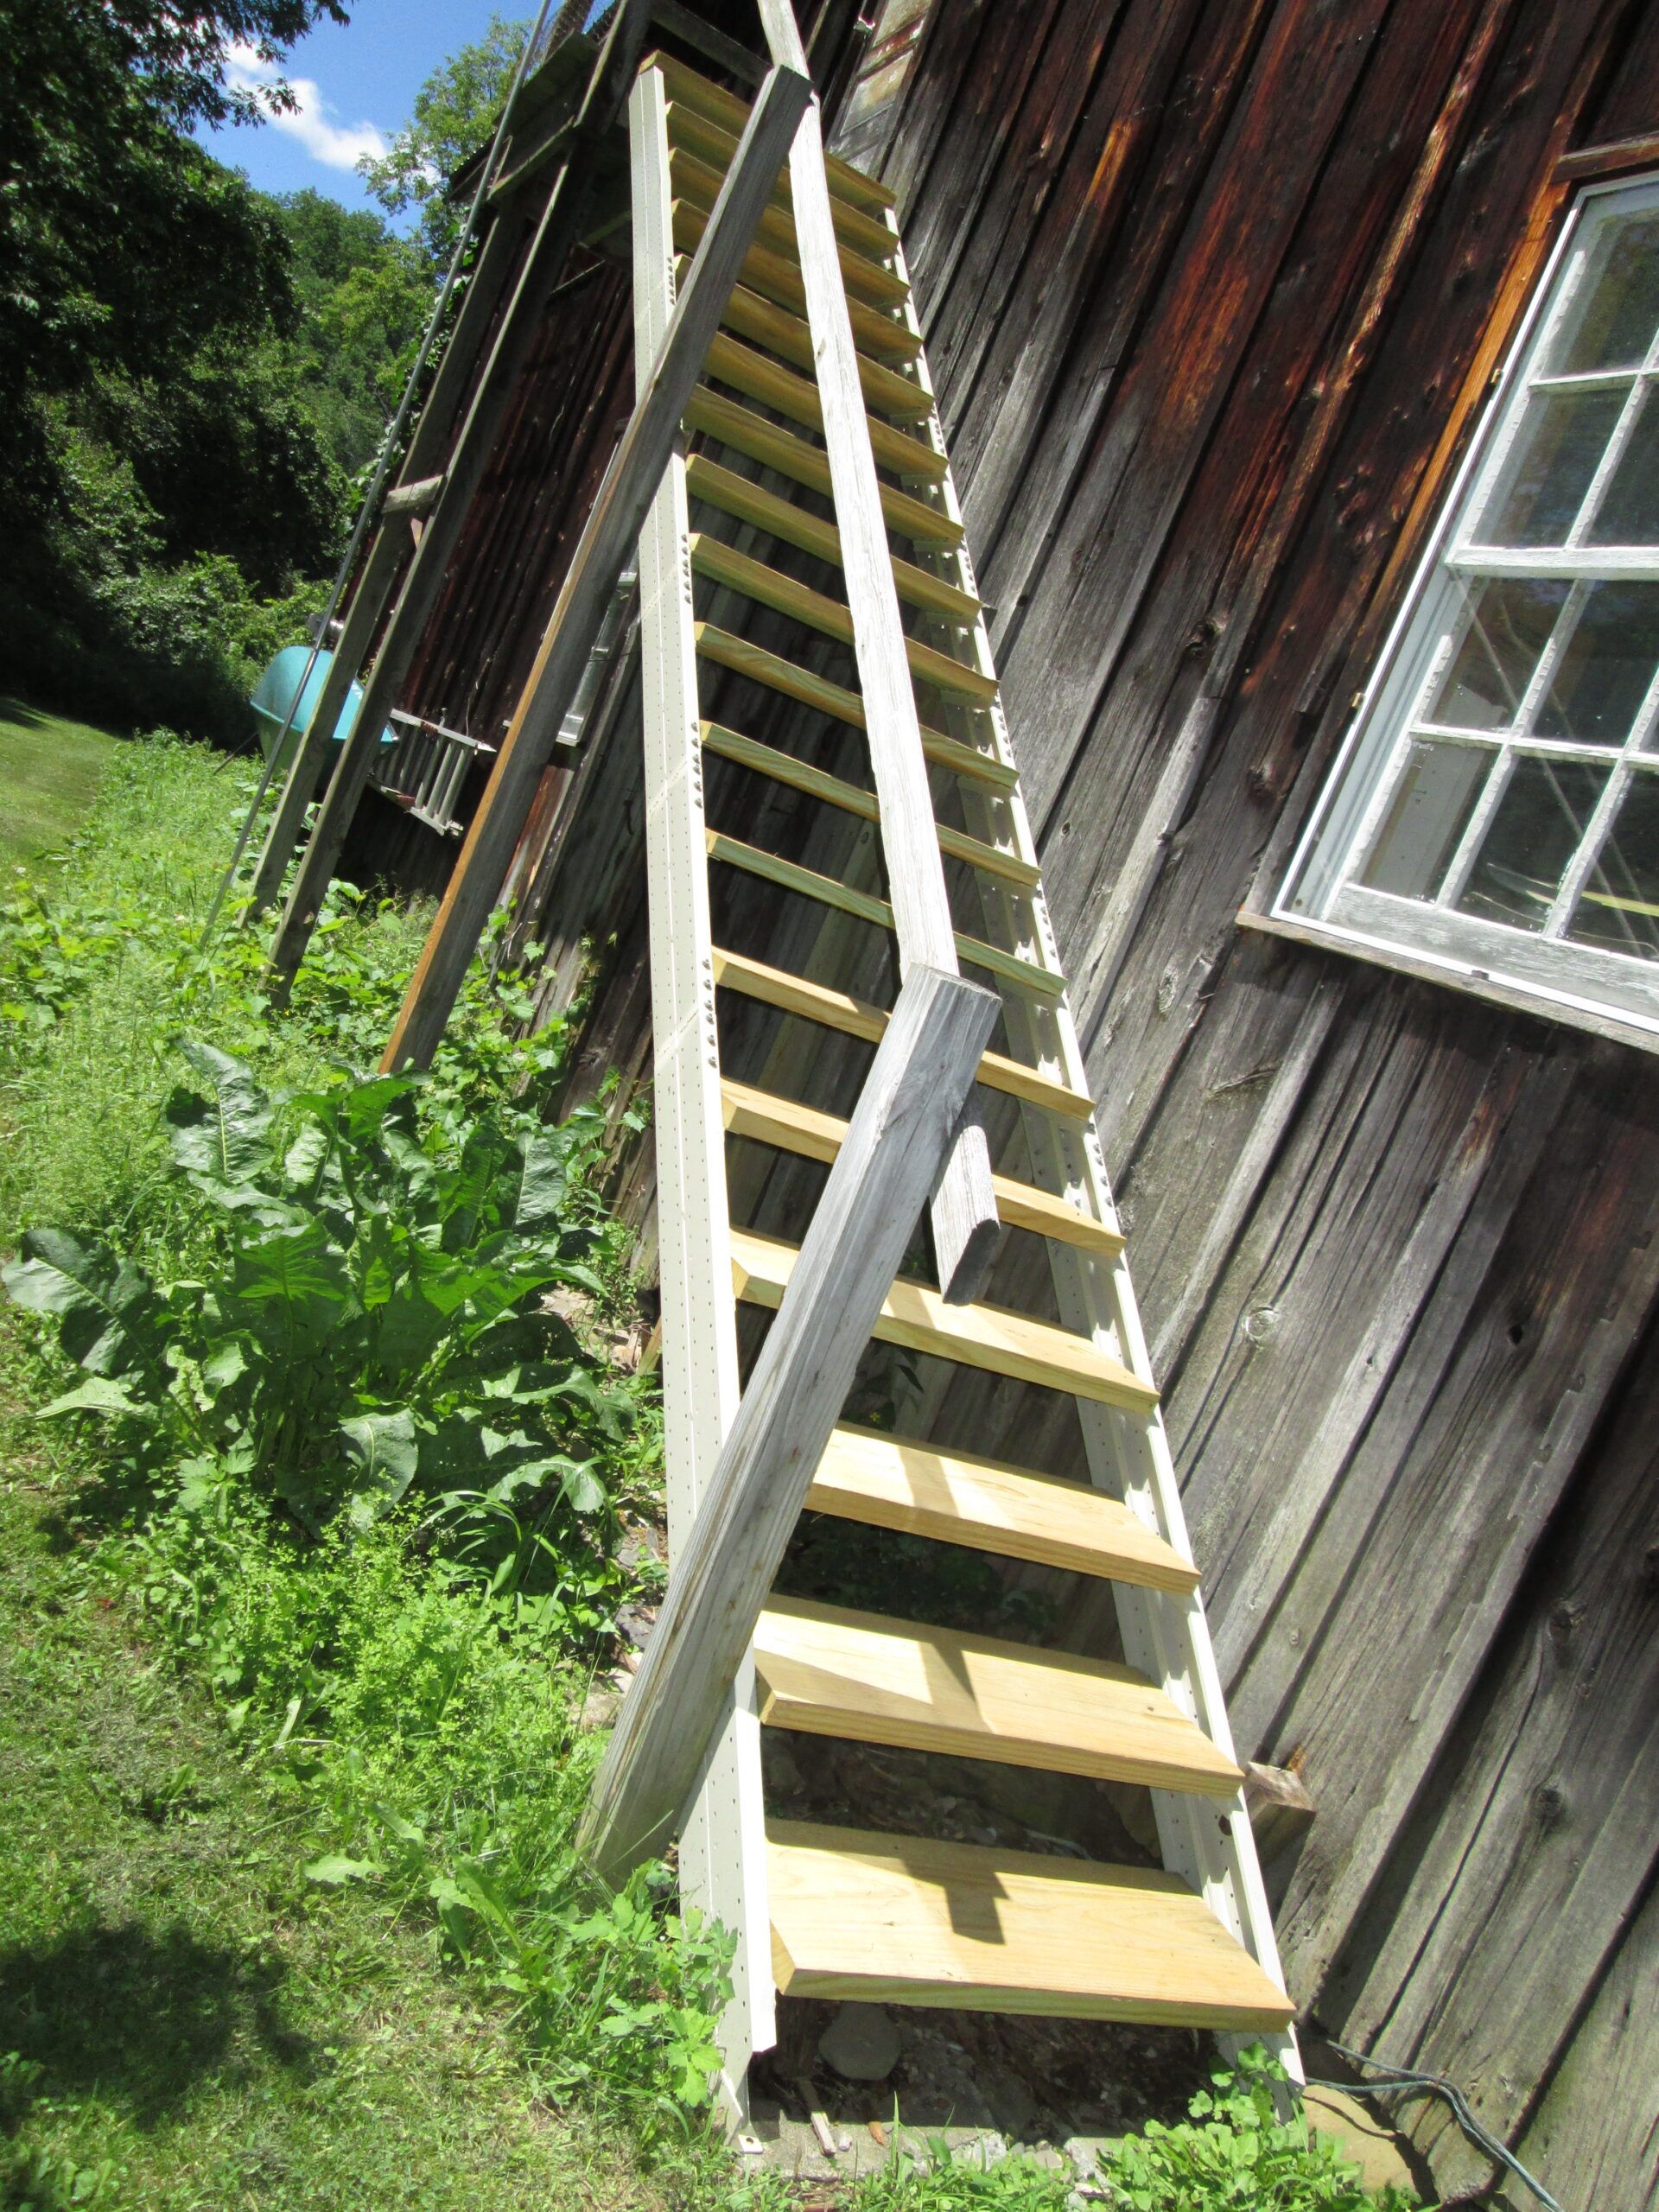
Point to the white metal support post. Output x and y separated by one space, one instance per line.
722 1850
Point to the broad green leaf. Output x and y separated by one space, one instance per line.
99 1394
334 1871
384 1455
104 1306
225 1135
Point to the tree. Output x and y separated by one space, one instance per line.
456 110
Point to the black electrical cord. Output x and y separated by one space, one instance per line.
1402 2081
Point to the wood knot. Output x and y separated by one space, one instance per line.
1565 1621
1549 1806
1261 1324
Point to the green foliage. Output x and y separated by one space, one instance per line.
1236 2151
455 112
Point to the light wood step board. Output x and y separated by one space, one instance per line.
886 391
759 377
897 1920
716 148
827 1670
777 277
955 1498
872 281
985 1337
745 500
856 1017
818 782
685 86
750 434
776 674
815 610
864 907
788 1126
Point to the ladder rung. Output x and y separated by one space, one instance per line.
757 377
747 432
871 281
864 907
985 1337
696 93
855 1017
886 391
776 276
818 782
905 1920
955 1498
745 500
829 1671
805 1130
723 564
745 658
716 147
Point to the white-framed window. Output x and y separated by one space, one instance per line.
1494 814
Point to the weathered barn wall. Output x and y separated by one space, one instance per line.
1211 288
1203 286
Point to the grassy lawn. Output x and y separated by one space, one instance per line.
50 768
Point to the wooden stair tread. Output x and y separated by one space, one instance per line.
856 1017
773 447
887 391
805 1130
985 1337
745 500
757 377
722 563
955 1498
716 147
864 278
834 790
695 91
905 1920
770 670
776 276
865 906
829 1671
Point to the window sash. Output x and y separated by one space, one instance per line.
1398 709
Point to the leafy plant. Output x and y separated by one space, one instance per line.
377 1314
1236 2150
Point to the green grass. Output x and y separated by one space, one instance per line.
50 771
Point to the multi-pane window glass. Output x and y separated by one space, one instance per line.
1496 809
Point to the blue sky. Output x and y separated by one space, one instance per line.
356 85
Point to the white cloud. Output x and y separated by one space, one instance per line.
336 145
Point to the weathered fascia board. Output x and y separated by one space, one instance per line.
603 550
895 1146
965 1227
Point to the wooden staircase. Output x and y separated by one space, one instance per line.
834 1911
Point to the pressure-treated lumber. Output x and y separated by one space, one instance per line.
757 377
898 1141
818 782
855 1017
714 146
899 1920
985 1337
605 545
887 391
698 182
789 875
892 1483
740 572
746 432
687 89
745 500
827 1670
776 276
561 225
803 1130
770 669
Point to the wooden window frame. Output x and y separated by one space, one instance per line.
1318 899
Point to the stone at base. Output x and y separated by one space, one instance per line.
860 2044
1363 2138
